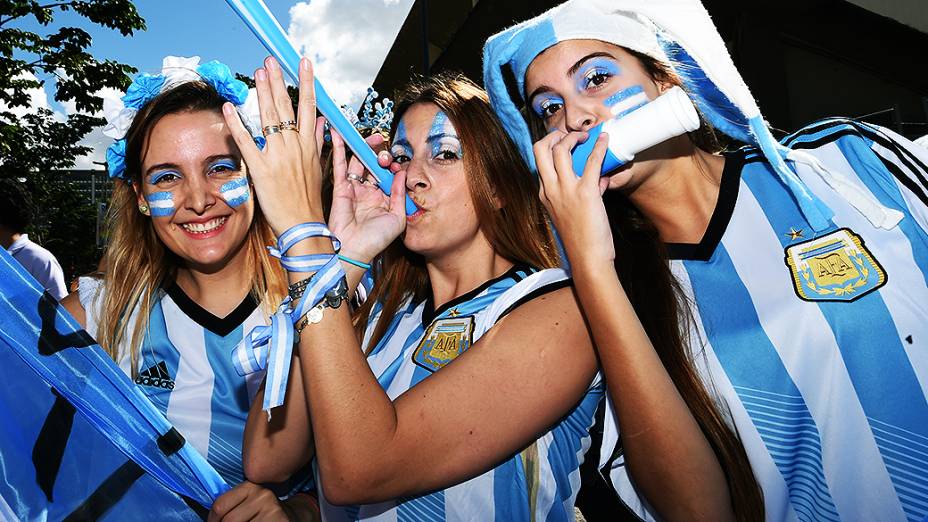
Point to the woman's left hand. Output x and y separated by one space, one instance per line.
287 174
247 501
362 216
575 204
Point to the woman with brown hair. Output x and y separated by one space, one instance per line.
783 251
471 390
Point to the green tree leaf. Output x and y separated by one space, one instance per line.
39 144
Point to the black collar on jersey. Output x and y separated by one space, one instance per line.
721 216
429 314
220 326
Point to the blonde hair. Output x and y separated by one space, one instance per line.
136 262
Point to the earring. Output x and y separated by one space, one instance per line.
143 208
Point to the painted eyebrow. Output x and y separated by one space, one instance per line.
402 142
216 157
570 72
440 135
576 67
209 159
161 166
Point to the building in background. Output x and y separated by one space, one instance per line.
802 59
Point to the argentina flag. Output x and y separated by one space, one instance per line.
79 441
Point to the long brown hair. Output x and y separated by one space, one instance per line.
136 262
643 267
518 231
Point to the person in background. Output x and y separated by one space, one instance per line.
15 217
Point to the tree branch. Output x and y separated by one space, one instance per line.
3 21
57 4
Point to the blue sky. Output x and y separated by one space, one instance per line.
348 39
208 28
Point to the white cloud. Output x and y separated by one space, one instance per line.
38 99
95 138
347 41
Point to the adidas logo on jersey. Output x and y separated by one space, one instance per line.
156 376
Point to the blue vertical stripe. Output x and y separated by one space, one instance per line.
229 405
510 491
157 348
567 440
760 379
879 369
429 507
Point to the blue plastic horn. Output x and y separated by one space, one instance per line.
261 22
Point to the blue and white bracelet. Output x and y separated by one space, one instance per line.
271 347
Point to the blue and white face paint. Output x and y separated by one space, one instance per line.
161 204
441 143
595 72
588 80
626 101
443 139
235 192
547 104
401 150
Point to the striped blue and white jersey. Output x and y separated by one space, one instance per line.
818 342
185 369
539 483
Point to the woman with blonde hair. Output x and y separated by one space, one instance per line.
185 274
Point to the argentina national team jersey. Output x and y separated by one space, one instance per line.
818 342
185 368
541 482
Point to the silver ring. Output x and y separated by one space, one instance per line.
288 125
354 177
270 129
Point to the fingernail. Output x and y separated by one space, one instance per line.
227 108
261 75
270 63
304 64
383 154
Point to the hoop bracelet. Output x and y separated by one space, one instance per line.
359 264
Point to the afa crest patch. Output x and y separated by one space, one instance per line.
834 267
444 341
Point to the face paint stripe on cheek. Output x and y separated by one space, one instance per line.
161 204
626 101
235 192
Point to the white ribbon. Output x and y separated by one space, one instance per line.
862 200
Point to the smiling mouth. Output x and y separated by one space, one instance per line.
204 228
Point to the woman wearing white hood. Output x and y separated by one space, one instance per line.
806 263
